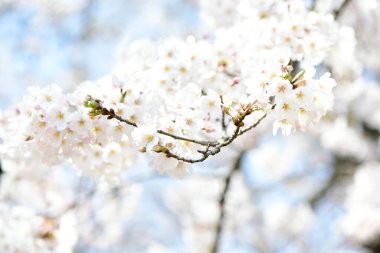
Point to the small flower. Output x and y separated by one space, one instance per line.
145 137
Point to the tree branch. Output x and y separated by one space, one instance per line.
338 12
98 109
207 153
342 168
256 124
222 200
203 143
212 147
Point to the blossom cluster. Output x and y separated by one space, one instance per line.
182 101
309 34
34 232
56 215
51 128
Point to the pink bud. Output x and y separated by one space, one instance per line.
235 81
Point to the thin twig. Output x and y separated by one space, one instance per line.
230 74
203 143
256 124
223 118
208 153
222 207
119 118
99 109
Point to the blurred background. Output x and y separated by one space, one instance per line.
311 192
69 41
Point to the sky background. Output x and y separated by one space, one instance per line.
68 42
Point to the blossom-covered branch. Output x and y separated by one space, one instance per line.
97 109
212 147
181 100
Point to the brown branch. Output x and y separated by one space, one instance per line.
216 149
207 153
342 168
253 126
338 12
212 147
222 207
98 109
111 115
203 143
256 124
